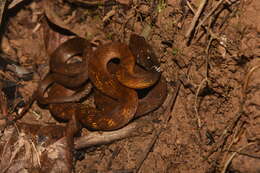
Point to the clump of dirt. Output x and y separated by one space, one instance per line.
214 123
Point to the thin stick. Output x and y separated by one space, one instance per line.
196 104
214 36
2 9
233 155
249 74
195 20
14 3
96 138
226 133
148 149
209 14
245 154
170 104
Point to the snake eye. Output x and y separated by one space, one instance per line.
115 61
113 64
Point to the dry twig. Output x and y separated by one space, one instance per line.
226 133
249 74
167 114
96 138
205 80
209 14
195 20
2 9
14 3
233 155
203 26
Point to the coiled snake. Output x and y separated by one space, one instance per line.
118 72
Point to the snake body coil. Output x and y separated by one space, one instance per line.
116 97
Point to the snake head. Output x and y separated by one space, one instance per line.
144 53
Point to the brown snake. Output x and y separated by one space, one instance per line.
123 101
115 93
155 95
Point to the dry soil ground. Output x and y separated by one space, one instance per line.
215 122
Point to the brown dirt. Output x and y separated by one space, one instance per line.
215 123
